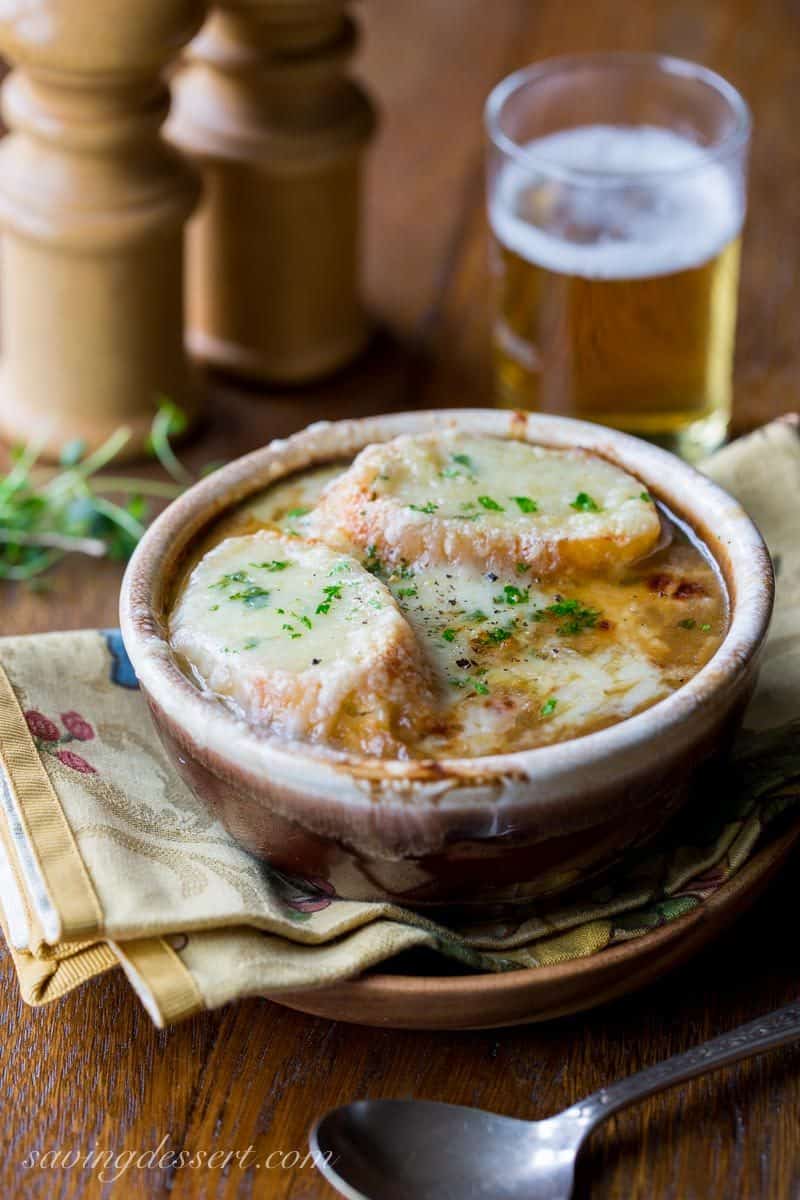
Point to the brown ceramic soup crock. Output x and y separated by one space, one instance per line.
503 828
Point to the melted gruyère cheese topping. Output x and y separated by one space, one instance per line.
452 658
449 498
299 637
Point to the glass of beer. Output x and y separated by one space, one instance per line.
616 194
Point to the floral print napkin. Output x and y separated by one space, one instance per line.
108 860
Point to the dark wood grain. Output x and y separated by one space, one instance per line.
91 1071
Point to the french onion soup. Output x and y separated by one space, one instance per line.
448 596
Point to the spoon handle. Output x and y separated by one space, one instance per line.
776 1029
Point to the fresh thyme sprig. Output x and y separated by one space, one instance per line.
47 514
169 421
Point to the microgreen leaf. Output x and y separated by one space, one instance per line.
498 635
512 595
333 591
584 503
275 565
252 597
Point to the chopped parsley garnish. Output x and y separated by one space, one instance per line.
373 564
583 502
687 623
705 629
491 504
253 597
234 577
580 617
428 508
332 592
561 607
577 625
454 472
584 618
548 707
525 504
275 565
498 635
476 615
250 644
512 595
214 608
449 635
406 592
480 688
460 465
522 568
298 512
648 499
306 621
290 629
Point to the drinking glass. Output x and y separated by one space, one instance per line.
616 194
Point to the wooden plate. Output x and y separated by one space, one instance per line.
541 993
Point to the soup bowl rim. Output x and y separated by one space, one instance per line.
208 728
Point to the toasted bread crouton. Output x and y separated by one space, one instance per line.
446 497
300 639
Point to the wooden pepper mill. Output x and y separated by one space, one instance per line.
93 202
278 130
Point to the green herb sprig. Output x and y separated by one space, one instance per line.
46 514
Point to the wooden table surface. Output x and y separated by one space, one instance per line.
90 1071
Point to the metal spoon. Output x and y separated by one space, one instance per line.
420 1150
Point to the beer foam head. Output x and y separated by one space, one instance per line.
670 209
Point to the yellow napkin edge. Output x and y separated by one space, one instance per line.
45 827
44 979
164 985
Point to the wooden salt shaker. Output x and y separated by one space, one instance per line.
93 203
278 130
